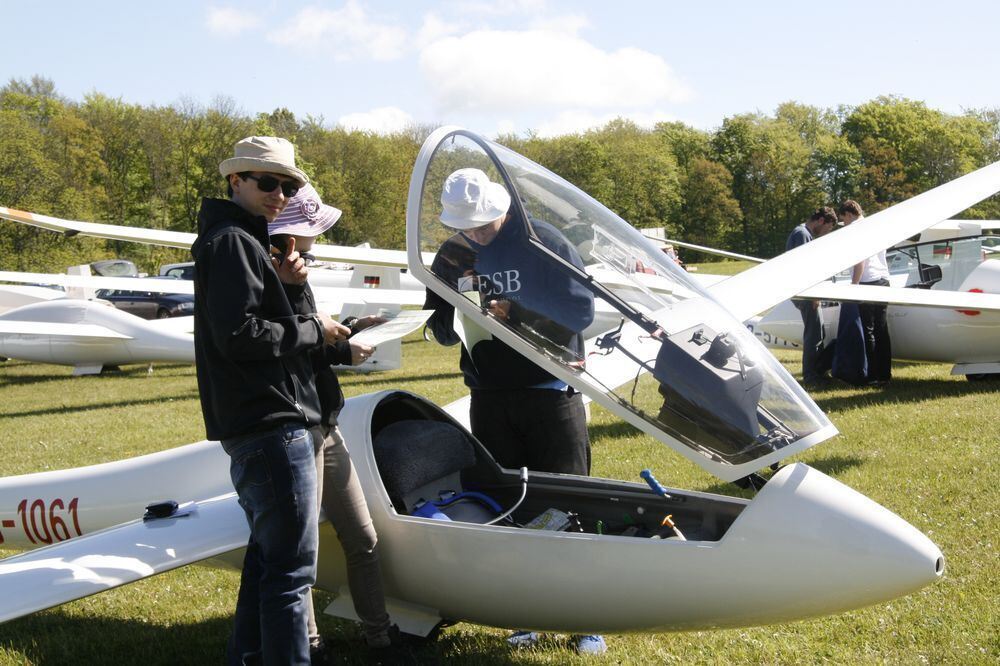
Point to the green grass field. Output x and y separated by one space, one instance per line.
925 447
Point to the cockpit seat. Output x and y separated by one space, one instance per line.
930 274
421 462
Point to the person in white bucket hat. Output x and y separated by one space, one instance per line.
521 413
256 381
469 199
293 233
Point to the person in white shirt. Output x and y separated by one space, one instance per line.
872 271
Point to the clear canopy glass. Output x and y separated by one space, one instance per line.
659 350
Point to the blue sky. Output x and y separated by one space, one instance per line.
550 66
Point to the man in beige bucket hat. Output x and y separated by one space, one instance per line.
258 394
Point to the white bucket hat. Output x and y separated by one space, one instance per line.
470 199
304 215
264 153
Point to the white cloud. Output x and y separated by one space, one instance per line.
507 70
576 122
506 8
571 24
348 33
383 120
230 21
505 126
435 28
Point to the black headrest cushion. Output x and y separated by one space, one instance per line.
411 454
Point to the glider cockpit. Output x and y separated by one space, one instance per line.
431 467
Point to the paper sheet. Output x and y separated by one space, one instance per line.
469 332
398 325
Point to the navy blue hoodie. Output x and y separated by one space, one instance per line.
546 303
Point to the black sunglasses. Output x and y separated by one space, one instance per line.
268 184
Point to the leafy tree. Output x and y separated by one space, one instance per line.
742 186
710 215
581 160
684 142
776 173
930 146
645 189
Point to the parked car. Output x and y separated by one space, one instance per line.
149 304
115 268
184 270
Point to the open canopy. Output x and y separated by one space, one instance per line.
660 352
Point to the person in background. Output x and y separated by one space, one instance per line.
872 271
522 414
292 234
253 355
819 223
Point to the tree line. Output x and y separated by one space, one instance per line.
741 186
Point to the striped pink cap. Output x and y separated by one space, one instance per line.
305 215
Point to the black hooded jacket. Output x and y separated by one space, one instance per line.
331 397
253 351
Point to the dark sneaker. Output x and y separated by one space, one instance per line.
391 649
320 653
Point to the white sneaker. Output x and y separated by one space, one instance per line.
590 644
523 639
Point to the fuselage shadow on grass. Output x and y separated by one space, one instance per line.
64 372
348 378
70 409
899 391
58 637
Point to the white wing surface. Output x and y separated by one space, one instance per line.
79 331
957 225
175 324
766 285
715 251
183 240
162 237
859 293
363 255
174 286
375 296
120 555
158 285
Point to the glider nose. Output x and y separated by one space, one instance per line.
833 544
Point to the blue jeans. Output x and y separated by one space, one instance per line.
812 341
274 473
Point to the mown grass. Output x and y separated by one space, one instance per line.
925 447
726 267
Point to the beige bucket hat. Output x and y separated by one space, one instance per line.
264 153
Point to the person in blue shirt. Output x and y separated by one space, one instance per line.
521 413
818 224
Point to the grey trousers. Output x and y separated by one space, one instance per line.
343 502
